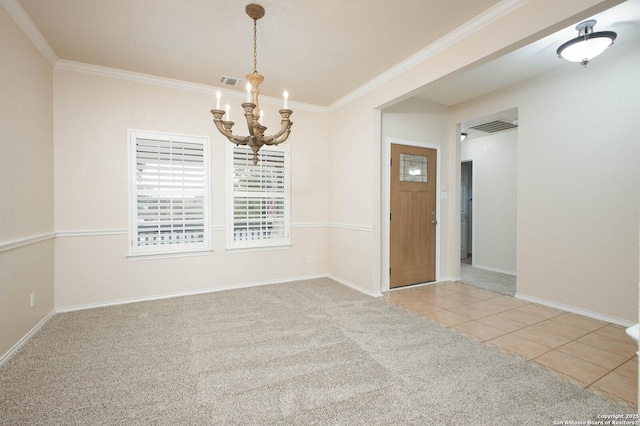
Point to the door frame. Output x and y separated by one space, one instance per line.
473 227
386 205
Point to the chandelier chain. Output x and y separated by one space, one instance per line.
255 46
252 112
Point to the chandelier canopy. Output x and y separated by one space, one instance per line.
252 112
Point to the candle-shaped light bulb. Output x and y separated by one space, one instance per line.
285 95
261 116
248 86
218 96
227 108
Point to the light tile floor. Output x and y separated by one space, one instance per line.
592 353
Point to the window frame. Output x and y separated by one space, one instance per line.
259 244
136 250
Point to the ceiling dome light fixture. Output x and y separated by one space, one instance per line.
587 45
252 112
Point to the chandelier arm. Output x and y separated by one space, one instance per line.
283 137
238 140
285 129
286 124
225 127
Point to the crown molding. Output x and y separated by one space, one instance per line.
477 23
175 84
15 10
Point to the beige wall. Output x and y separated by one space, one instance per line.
578 199
92 115
26 185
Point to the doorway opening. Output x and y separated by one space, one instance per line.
466 212
488 197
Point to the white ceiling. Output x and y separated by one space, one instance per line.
319 51
533 59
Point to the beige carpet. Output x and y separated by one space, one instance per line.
311 352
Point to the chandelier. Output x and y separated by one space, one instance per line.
256 138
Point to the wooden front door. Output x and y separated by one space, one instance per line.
412 253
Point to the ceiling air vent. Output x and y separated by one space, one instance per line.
230 81
494 126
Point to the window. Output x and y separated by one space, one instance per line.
259 198
169 193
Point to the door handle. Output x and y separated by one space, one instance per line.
435 222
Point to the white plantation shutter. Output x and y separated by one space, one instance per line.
259 198
170 187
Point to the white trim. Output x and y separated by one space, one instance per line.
489 268
573 309
476 24
15 10
25 338
440 281
349 226
386 207
354 287
184 293
216 228
93 233
310 225
177 84
10 245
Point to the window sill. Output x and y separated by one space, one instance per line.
152 256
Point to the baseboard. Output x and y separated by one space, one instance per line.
574 310
439 281
183 293
26 337
353 286
489 268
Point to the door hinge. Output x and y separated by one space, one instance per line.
391 162
389 216
389 270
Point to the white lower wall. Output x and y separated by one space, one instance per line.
94 269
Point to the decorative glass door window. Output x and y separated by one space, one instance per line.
413 168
